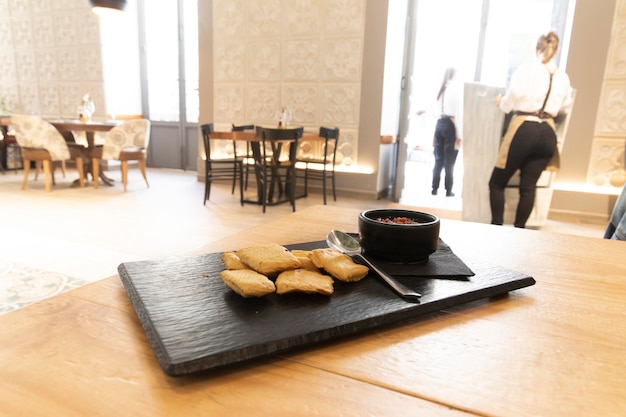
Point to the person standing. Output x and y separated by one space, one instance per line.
616 229
538 92
448 130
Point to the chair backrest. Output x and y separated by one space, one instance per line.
206 130
130 134
331 137
224 143
34 132
242 128
268 134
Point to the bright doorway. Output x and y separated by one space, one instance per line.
169 53
485 40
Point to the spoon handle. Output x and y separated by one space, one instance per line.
403 291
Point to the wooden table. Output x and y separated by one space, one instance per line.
90 127
557 348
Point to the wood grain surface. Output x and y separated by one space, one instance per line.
194 322
554 349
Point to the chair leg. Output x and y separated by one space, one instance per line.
47 173
264 190
333 183
52 165
241 183
264 200
207 189
306 179
324 186
235 174
95 171
26 163
81 173
37 169
292 188
207 181
142 168
124 174
246 161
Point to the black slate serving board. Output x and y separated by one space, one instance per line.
194 322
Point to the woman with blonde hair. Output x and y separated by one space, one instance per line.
538 92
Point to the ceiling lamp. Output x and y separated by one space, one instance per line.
105 6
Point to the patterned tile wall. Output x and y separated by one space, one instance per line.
304 55
607 161
50 56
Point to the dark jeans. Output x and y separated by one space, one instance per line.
445 154
532 148
616 228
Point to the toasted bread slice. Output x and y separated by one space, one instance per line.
232 261
339 265
247 282
269 259
302 280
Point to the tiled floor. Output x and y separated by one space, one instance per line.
21 285
52 242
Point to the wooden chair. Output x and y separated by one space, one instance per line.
275 171
228 166
41 143
125 142
321 167
61 164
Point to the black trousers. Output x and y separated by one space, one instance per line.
532 147
445 154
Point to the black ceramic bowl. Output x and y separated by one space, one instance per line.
384 236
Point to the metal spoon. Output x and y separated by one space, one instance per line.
350 246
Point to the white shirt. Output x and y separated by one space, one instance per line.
529 86
453 104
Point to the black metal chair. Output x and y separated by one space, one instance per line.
227 167
248 160
321 167
275 169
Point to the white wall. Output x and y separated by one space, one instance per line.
303 56
50 56
588 63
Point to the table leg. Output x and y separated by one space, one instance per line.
74 148
91 143
275 180
104 179
86 170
